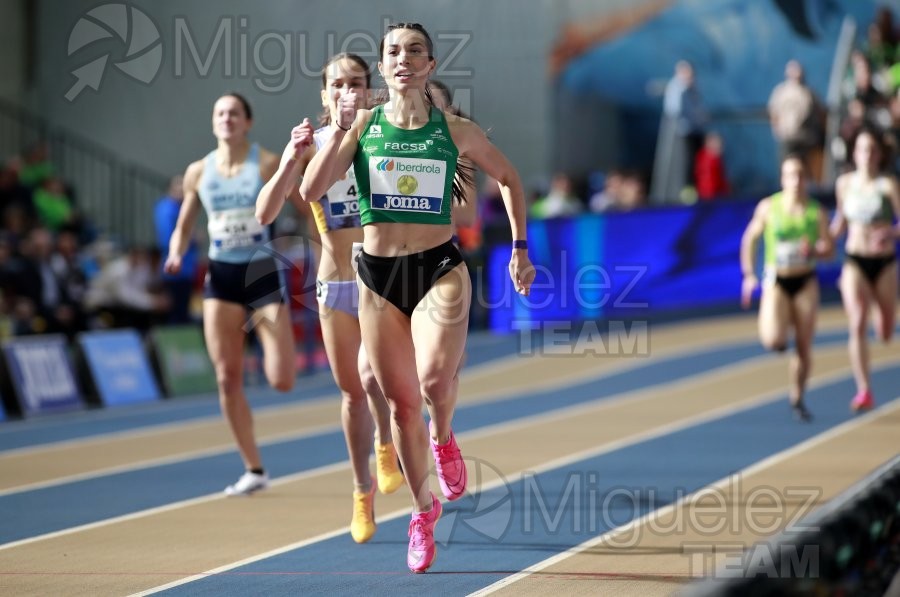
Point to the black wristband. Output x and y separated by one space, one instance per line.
520 244
337 124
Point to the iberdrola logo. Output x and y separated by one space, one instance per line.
141 59
385 165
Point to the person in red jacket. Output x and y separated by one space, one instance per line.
709 169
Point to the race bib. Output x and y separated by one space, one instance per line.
234 228
407 184
342 200
790 253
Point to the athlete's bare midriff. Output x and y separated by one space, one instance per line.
870 240
390 239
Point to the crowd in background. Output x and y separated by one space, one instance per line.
870 98
57 275
871 90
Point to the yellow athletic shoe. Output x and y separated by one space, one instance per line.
362 526
388 472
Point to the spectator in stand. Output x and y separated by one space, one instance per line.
559 201
54 208
179 285
880 52
633 194
623 190
13 194
683 106
24 320
7 285
67 267
886 38
16 224
607 198
892 138
36 166
892 78
128 291
852 124
38 283
797 119
10 264
863 89
709 170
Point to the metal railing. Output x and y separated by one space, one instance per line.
833 100
115 195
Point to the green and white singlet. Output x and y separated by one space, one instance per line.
405 176
785 235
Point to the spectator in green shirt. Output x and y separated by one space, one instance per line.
54 208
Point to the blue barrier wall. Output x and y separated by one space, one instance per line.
119 367
642 264
41 374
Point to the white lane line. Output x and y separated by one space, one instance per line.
149 430
322 470
225 448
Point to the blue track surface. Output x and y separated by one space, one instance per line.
484 537
483 548
49 509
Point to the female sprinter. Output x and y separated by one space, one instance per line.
414 288
868 204
337 219
242 273
795 231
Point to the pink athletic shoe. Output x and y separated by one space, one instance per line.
451 469
862 402
422 551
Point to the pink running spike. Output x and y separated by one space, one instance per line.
451 469
422 551
862 402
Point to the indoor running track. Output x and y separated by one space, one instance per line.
584 477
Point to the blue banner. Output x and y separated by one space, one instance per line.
119 367
634 266
41 374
